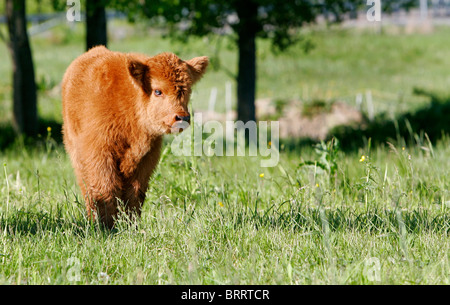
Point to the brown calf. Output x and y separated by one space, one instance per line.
116 109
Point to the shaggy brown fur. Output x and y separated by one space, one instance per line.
115 118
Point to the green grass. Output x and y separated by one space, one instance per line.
329 218
216 221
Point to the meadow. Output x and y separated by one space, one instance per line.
377 214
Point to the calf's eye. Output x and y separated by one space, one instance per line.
158 92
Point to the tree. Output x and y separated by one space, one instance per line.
25 117
96 21
96 28
248 19
25 114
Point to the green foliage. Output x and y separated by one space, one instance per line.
328 154
277 20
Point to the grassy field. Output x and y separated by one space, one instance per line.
377 214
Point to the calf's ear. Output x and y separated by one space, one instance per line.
197 67
139 72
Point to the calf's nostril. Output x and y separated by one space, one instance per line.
183 118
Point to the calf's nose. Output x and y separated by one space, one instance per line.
184 117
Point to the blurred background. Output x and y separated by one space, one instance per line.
350 69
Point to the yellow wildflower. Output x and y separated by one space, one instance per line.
261 175
363 158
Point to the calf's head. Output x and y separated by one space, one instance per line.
166 82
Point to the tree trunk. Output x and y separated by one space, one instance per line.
96 32
246 80
25 118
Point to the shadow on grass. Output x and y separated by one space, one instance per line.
374 220
298 219
8 137
33 222
431 121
